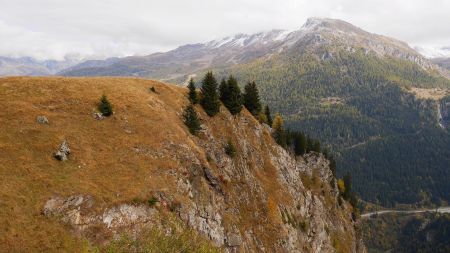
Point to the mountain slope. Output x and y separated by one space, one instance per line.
141 169
365 95
368 105
27 66
243 48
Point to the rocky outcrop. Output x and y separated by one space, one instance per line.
261 200
63 152
42 120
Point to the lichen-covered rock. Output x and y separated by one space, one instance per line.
98 116
63 151
42 120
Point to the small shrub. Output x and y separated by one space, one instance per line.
137 201
262 118
152 201
174 206
341 186
303 226
105 106
230 149
152 89
209 158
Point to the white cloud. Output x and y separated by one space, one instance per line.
102 28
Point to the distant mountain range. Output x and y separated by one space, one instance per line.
28 66
242 48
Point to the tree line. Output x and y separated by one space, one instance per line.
212 95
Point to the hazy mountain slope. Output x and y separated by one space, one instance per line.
243 48
443 62
141 169
189 58
28 66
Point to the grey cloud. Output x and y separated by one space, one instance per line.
103 28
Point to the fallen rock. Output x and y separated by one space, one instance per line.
42 120
98 116
63 151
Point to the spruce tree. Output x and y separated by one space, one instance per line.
251 99
233 96
348 186
223 91
193 97
279 133
191 120
210 99
105 107
268 116
300 144
309 144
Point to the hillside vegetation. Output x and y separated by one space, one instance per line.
427 232
141 177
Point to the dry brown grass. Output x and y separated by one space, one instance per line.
431 93
103 162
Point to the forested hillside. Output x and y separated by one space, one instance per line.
425 233
361 106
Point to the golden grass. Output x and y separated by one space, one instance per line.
115 160
103 162
431 93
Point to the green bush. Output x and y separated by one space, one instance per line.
230 149
152 201
105 107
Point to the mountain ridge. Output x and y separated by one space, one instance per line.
243 48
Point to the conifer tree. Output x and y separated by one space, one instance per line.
105 107
230 149
309 144
223 90
268 116
191 120
348 186
279 133
210 98
262 118
251 99
193 96
232 96
300 144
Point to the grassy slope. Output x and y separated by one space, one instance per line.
105 162
30 175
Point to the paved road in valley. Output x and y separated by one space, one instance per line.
444 209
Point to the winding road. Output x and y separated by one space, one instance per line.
444 209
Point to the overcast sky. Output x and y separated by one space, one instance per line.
52 29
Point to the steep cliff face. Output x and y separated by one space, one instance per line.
141 168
